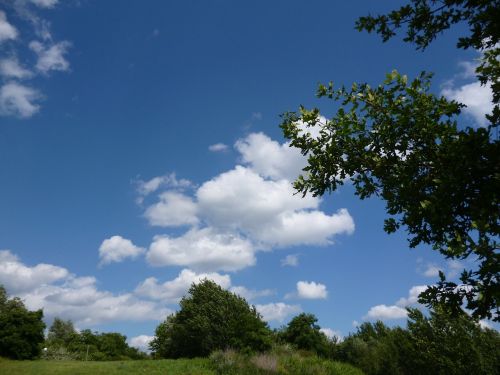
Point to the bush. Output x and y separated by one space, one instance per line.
210 318
21 330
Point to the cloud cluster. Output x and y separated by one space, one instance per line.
17 98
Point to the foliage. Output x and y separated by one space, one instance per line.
210 318
21 330
277 361
303 333
65 343
150 367
400 142
440 344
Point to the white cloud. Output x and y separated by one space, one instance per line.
173 209
218 147
17 277
277 311
330 333
7 31
269 158
61 294
412 296
431 271
141 342
45 3
250 294
172 291
18 100
202 249
144 188
51 57
476 97
291 260
384 312
311 290
11 68
117 248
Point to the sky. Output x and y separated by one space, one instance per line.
140 151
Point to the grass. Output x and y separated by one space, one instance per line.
149 367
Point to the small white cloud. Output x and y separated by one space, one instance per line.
202 249
218 147
45 3
172 291
117 249
11 68
431 271
51 57
476 97
250 294
384 312
145 188
485 324
291 260
311 290
7 31
18 100
330 333
141 342
173 209
277 311
412 296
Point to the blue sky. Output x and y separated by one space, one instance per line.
140 151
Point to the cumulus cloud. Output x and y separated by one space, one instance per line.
311 290
277 311
51 57
7 31
202 249
18 100
172 291
11 68
60 293
291 260
431 270
218 147
117 249
412 296
141 342
476 97
250 294
172 209
331 334
383 312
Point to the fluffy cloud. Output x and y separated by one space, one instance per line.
476 97
64 295
218 147
291 260
11 68
51 57
173 209
311 290
384 312
431 271
412 296
141 342
250 294
202 249
330 333
277 311
18 100
172 291
7 31
269 158
117 248
17 277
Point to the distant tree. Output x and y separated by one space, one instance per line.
21 330
303 333
61 333
210 318
400 142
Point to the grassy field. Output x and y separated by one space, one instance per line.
147 367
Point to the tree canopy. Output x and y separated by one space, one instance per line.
401 142
210 318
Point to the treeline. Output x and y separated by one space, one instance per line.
22 337
212 319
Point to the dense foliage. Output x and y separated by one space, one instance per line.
21 330
439 344
210 318
64 342
400 142
303 332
